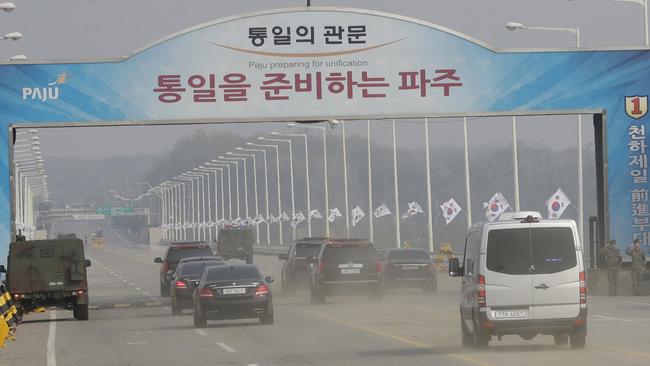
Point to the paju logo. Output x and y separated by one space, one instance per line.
51 91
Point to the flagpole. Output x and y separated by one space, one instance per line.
370 211
345 181
515 163
396 184
580 193
467 184
428 170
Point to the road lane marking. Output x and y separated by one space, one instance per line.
626 320
626 352
131 284
139 289
135 343
51 340
639 303
225 347
399 339
201 332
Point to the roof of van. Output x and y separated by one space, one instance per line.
511 222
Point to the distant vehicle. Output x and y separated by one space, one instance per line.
232 291
296 269
408 268
236 242
345 266
523 276
44 273
173 254
186 278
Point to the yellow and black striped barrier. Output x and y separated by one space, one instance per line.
7 316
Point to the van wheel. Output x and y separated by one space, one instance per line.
578 340
481 338
465 335
561 339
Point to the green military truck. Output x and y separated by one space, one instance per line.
236 242
48 273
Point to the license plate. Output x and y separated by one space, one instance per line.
410 267
350 270
519 314
234 291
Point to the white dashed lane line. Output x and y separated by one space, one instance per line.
201 332
225 347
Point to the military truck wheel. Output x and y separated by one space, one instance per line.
80 311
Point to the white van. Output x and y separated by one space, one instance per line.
525 276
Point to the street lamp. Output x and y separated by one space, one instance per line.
216 206
8 7
237 161
204 174
396 186
304 136
266 188
192 206
228 162
293 196
257 210
14 36
227 167
576 31
277 166
327 207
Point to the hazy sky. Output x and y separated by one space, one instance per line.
90 29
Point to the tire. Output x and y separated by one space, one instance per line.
267 318
561 339
578 340
80 311
199 318
317 296
176 309
466 338
481 338
164 290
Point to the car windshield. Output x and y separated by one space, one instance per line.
549 249
229 273
307 250
176 254
398 255
196 268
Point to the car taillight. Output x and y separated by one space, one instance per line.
180 284
205 292
481 293
321 267
378 266
583 289
165 266
262 290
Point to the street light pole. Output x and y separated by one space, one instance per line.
266 189
345 180
227 167
293 196
192 206
228 162
428 171
236 161
277 166
370 210
327 204
396 184
306 174
644 4
257 213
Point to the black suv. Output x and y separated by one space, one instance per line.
409 268
173 254
345 266
295 270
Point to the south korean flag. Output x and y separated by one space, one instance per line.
557 203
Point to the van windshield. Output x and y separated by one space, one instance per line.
512 251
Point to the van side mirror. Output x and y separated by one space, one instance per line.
282 256
3 269
157 260
454 268
269 279
87 262
311 260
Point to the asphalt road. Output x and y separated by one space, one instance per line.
131 325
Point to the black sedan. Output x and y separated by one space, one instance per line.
233 291
186 278
409 268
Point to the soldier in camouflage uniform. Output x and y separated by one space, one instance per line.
638 265
613 258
